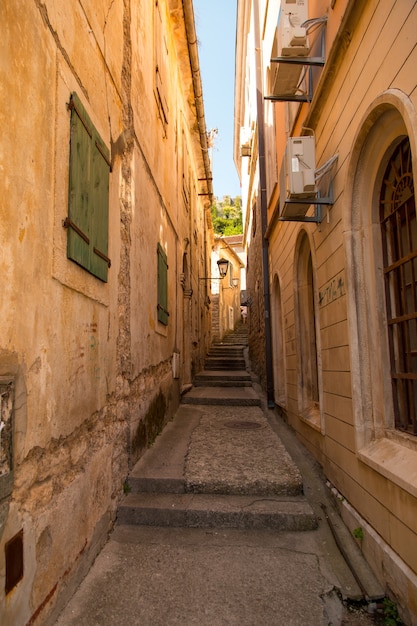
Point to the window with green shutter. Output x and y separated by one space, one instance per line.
162 286
88 198
161 65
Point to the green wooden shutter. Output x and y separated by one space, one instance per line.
88 208
78 245
99 209
162 286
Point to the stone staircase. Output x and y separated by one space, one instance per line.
218 464
238 337
225 379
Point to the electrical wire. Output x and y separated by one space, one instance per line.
325 168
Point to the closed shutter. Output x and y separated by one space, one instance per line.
162 286
88 208
99 210
161 62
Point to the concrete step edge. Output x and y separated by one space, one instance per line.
226 383
156 484
238 363
221 377
209 511
222 401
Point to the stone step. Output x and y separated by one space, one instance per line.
226 355
156 484
217 511
226 351
238 350
224 364
237 396
224 383
235 339
221 376
229 345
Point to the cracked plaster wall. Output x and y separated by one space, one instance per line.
91 364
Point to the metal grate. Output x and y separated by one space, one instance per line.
399 242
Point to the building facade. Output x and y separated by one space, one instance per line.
105 230
225 293
325 144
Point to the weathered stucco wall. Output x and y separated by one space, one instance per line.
225 293
91 364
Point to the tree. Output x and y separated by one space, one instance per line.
227 216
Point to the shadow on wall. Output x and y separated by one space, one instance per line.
150 426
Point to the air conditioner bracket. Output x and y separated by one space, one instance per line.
318 203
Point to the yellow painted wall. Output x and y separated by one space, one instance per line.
91 364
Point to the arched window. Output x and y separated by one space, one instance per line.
278 345
399 247
307 339
381 265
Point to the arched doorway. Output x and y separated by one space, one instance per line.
278 345
308 362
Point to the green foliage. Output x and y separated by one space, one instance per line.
358 533
126 487
391 617
227 216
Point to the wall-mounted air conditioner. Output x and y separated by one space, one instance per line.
246 133
297 177
290 40
245 150
293 40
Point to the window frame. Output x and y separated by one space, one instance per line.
379 445
231 274
162 286
308 345
186 175
161 67
398 222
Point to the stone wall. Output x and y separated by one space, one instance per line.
256 310
89 359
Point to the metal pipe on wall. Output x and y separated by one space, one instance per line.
263 202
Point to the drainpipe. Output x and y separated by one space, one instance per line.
192 44
264 216
198 90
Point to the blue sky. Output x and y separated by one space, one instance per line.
215 22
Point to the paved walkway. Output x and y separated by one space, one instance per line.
229 523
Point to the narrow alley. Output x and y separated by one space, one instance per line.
208 400
219 526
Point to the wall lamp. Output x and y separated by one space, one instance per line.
223 266
234 284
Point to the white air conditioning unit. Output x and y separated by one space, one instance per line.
290 40
293 40
297 177
245 150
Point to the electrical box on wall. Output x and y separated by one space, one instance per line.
175 365
290 40
297 178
